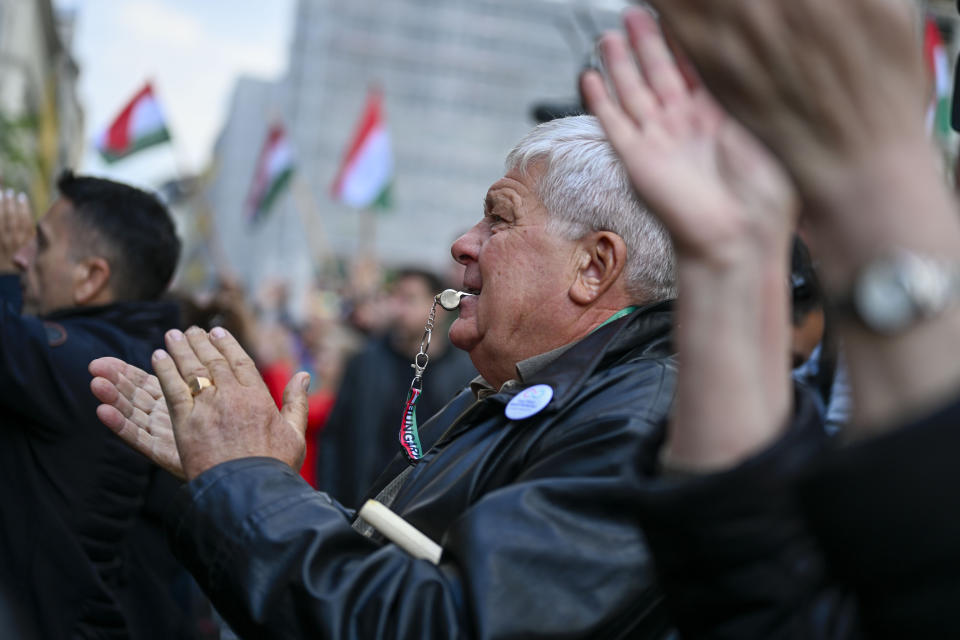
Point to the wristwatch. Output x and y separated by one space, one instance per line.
893 292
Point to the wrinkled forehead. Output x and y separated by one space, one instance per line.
516 189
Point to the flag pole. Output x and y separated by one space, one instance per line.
368 231
180 167
306 204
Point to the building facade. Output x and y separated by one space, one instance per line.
41 121
459 78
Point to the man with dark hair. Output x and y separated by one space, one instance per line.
142 243
91 270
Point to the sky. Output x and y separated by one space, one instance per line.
192 51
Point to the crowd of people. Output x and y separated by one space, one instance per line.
709 394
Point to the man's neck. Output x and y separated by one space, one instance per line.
579 327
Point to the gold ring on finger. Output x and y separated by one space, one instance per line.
198 384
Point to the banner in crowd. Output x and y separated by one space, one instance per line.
938 64
273 172
140 125
366 173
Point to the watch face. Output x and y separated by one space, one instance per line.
882 299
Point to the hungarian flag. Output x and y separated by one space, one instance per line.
935 55
273 173
139 125
366 173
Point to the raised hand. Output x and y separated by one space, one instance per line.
836 90
133 407
17 226
819 81
714 187
730 209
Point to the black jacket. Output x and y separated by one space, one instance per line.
811 541
536 521
70 489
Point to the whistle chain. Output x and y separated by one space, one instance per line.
409 431
422 359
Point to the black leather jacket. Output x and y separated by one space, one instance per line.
536 519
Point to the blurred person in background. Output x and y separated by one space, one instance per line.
84 282
816 354
806 306
363 295
362 432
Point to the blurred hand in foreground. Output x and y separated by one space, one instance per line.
821 82
836 91
715 188
730 209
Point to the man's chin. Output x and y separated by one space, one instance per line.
463 334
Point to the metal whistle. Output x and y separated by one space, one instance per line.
449 299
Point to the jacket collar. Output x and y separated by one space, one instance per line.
647 331
143 319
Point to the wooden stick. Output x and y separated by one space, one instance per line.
400 532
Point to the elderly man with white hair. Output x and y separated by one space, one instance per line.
527 479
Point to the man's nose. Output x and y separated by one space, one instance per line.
23 256
466 247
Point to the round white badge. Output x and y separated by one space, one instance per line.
529 401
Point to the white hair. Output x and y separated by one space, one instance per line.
585 188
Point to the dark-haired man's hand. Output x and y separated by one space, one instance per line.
16 227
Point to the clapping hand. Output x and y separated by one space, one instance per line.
186 426
16 226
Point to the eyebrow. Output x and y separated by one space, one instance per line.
487 204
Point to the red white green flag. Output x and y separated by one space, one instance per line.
139 125
273 172
365 176
938 63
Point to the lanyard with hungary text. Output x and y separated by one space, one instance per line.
409 433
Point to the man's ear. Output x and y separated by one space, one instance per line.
91 283
603 257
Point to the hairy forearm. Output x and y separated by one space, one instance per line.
733 390
891 199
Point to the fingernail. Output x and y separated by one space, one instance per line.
11 193
159 354
22 197
218 332
175 335
305 382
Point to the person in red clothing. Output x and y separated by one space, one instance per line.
320 402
